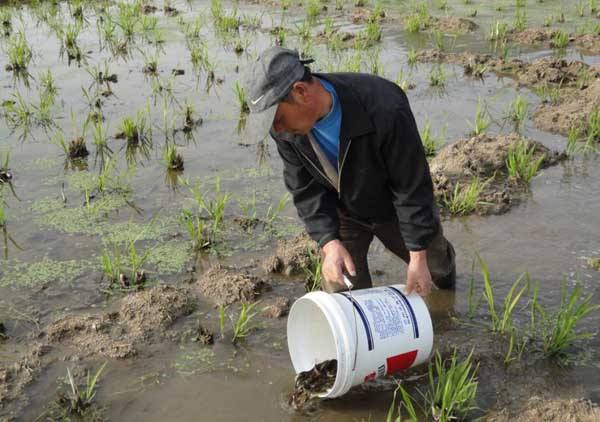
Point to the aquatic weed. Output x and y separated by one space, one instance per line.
43 271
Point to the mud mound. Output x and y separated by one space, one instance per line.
483 156
291 256
226 285
588 43
147 310
360 15
574 109
550 70
453 24
116 334
551 410
533 35
91 335
279 308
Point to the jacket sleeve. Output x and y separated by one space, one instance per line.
410 180
315 203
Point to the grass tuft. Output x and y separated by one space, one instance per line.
521 163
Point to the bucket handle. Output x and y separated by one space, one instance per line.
349 285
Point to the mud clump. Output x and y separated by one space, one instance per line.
116 334
148 310
453 24
588 43
572 110
292 256
483 157
533 35
226 285
315 381
550 410
279 308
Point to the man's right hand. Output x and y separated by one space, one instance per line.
336 260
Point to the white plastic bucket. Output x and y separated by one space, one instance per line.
370 332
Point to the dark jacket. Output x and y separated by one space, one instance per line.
383 172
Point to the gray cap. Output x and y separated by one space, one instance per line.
269 79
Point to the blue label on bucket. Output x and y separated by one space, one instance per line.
409 308
361 313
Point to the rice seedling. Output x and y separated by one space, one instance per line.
2 215
520 23
241 98
573 146
482 120
411 57
135 130
313 271
592 126
48 85
313 9
406 403
352 63
580 8
280 35
498 31
216 9
560 39
199 56
5 21
69 35
403 82
339 4
191 30
228 22
430 143
593 5
517 112
5 173
18 52
521 162
360 3
452 387
128 19
558 330
372 33
172 159
439 40
437 76
18 113
243 324
477 70
78 402
375 65
501 319
196 229
549 93
442 4
273 213
213 208
464 199
472 13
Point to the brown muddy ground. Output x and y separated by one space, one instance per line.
484 157
542 37
291 256
226 285
550 409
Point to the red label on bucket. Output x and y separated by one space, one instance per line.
400 362
370 377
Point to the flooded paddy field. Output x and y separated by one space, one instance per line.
140 215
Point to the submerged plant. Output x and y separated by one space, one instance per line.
521 162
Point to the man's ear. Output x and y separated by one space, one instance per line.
300 91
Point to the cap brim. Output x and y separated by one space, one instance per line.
259 124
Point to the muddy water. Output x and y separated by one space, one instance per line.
549 234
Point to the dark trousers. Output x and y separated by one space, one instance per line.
356 236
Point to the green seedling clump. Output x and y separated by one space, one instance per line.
521 162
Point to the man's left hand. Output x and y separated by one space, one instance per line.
418 277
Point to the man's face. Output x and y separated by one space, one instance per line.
297 115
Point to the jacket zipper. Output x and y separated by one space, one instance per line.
317 168
340 168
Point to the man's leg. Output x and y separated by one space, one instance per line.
356 238
440 253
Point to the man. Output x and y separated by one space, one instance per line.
355 166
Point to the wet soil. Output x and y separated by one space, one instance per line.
484 157
586 43
226 285
312 382
549 409
142 314
278 308
291 256
573 109
453 25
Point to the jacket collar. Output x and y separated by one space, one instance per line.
355 120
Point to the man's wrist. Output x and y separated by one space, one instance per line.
418 257
330 244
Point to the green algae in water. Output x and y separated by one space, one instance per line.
195 362
171 256
22 274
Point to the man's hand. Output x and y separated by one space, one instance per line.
418 277
336 260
